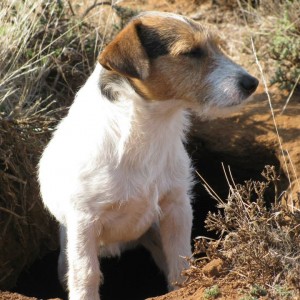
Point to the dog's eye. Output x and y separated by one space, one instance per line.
194 53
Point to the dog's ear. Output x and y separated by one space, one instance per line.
126 54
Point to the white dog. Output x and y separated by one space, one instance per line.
116 170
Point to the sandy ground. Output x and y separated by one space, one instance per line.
15 296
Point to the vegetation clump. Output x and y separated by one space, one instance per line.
46 53
285 45
259 241
212 292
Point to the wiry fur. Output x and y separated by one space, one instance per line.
115 172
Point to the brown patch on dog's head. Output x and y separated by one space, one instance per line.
180 52
125 54
167 56
146 42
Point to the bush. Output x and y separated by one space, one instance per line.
258 244
285 45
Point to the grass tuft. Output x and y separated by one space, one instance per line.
212 292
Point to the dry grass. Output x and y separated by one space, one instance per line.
258 243
46 54
43 50
26 232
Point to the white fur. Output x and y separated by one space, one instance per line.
224 78
110 172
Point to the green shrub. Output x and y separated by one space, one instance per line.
258 291
285 47
212 292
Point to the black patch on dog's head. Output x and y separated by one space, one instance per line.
154 43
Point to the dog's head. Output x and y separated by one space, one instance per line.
166 56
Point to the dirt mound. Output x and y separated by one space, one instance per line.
15 296
26 229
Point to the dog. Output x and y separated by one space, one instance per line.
116 172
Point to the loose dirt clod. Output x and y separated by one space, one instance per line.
213 268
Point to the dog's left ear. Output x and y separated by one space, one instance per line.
126 55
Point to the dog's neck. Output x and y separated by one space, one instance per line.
150 122
117 88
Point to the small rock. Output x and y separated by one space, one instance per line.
213 268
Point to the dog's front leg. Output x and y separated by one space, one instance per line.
175 230
84 273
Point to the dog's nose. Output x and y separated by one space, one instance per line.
248 83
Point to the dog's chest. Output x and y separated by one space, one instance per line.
127 220
132 202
